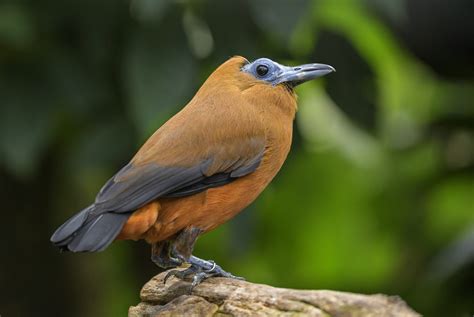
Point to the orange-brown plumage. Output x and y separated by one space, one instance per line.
267 120
202 167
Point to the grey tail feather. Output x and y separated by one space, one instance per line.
67 229
89 233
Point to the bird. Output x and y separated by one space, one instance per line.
199 169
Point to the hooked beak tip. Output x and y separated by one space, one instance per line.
323 68
295 76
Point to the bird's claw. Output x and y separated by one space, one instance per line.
200 270
216 270
181 274
198 278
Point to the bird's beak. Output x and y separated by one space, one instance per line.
299 74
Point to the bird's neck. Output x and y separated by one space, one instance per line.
277 108
274 102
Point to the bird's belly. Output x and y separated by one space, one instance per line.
205 210
213 207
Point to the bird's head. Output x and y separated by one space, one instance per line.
262 82
273 73
265 72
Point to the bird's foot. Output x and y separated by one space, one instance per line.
199 271
211 268
181 274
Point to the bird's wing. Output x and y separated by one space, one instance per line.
183 158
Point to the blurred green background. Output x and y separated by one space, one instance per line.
377 194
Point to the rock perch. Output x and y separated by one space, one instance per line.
229 297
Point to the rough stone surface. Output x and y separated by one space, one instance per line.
228 297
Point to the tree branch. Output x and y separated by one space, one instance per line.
228 297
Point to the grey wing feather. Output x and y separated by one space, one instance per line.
152 181
124 194
95 227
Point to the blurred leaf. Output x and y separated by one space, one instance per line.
304 37
329 203
26 124
148 10
415 166
407 90
394 9
159 79
233 31
16 26
199 35
119 288
77 91
87 157
278 18
323 125
453 258
451 207
24 137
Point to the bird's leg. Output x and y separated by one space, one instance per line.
181 247
161 255
200 269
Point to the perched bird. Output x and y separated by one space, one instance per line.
198 170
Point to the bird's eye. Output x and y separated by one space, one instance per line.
262 70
